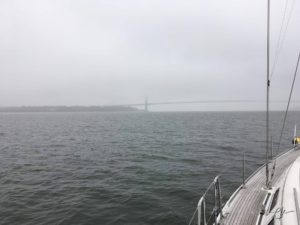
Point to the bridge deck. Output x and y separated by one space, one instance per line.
245 206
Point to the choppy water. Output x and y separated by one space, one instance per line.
123 168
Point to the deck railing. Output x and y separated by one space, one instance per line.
217 210
217 213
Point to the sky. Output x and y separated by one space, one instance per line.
107 52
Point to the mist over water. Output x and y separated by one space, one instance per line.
124 168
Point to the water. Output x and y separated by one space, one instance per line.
123 168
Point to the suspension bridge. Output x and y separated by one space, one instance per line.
147 103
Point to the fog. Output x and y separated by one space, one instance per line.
97 52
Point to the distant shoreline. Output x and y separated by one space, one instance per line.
68 109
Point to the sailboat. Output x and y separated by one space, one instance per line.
271 195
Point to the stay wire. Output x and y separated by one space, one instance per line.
285 116
279 37
288 105
282 36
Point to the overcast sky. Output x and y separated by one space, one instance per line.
96 52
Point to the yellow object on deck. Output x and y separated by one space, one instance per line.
296 140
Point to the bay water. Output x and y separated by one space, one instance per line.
130 168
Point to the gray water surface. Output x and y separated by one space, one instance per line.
124 168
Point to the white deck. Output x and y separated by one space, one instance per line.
290 195
244 207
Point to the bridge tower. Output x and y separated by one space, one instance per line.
146 104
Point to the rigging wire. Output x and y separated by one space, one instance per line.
279 38
282 34
288 105
280 42
285 115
